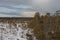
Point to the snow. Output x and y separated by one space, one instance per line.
12 33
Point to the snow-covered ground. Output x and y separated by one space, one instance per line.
11 32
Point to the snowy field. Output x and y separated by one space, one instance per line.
18 32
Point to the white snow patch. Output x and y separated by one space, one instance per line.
10 33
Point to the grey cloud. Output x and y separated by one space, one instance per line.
51 7
12 13
9 1
14 2
20 8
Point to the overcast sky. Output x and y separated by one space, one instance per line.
25 8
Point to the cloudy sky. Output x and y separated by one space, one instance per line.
25 8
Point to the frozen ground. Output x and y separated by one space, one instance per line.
11 32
